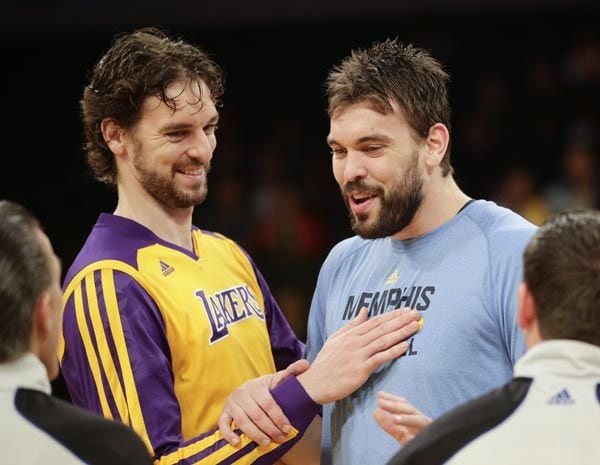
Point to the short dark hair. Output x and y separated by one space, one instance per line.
562 271
390 70
24 275
139 64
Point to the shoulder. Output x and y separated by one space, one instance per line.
90 437
493 219
112 239
502 228
212 241
457 428
349 249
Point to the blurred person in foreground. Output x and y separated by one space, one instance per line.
163 320
36 428
550 412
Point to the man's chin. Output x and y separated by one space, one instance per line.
364 229
193 198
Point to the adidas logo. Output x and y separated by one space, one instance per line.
165 268
561 398
393 278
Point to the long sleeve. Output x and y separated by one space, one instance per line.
117 362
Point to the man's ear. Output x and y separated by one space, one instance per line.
437 144
527 311
113 136
42 321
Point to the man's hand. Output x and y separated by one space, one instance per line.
398 417
255 411
344 363
353 352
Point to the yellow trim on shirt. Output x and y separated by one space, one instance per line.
106 359
90 352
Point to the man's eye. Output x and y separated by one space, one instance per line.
211 129
176 134
338 152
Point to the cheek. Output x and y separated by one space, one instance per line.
338 170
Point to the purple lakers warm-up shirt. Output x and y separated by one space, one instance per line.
157 337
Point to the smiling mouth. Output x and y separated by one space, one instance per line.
359 199
191 173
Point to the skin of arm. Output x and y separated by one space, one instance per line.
308 450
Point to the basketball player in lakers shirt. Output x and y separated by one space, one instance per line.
161 320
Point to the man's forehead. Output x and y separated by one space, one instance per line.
182 93
377 106
365 121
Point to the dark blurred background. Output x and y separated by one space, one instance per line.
524 93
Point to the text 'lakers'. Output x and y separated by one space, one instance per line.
227 307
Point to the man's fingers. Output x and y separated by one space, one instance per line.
225 427
299 366
296 368
389 345
268 416
386 421
390 396
402 324
404 412
398 407
405 438
248 426
379 358
415 422
360 319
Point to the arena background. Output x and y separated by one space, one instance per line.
525 99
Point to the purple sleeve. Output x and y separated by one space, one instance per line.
298 407
121 360
117 363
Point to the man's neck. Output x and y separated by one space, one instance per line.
442 200
170 224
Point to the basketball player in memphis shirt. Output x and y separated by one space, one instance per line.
421 243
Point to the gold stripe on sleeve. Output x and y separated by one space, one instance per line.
114 320
106 359
90 352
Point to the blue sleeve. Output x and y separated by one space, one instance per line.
317 332
506 251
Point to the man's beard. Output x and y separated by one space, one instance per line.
163 188
397 207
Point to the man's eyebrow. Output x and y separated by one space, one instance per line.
172 127
176 127
369 138
374 138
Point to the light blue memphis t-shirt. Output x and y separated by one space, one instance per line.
463 277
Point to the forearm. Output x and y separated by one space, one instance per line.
308 449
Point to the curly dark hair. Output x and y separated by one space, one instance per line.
390 70
138 64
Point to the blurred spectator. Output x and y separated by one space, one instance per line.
517 191
578 184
